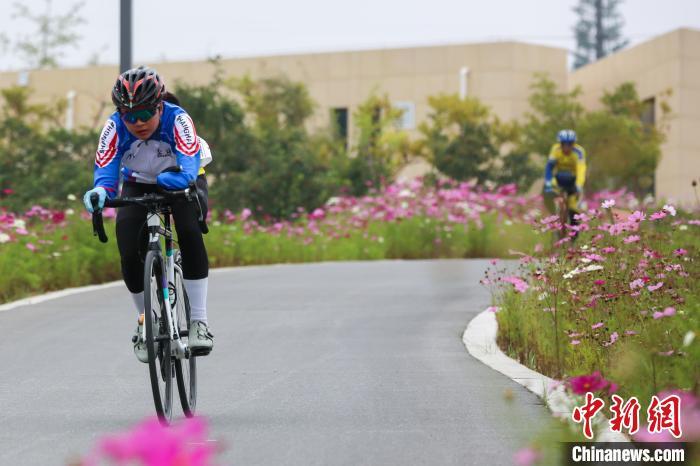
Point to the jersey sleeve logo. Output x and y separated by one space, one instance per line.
107 147
186 140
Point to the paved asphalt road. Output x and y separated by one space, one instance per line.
336 363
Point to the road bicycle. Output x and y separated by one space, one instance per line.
166 306
557 202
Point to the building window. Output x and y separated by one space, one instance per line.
648 117
339 120
649 111
407 120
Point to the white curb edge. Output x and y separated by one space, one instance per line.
480 340
55 295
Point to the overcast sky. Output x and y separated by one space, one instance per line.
177 30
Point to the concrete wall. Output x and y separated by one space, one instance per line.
500 74
668 62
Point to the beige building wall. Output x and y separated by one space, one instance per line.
668 62
499 74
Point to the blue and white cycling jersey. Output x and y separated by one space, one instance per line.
174 143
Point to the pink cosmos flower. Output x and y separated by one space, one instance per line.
670 210
493 309
668 312
245 214
31 247
630 332
653 288
608 250
582 384
550 219
608 204
598 325
599 282
317 214
527 457
636 217
638 283
631 239
680 252
520 285
575 342
613 338
657 215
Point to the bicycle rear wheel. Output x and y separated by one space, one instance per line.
160 361
185 369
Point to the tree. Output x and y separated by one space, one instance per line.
220 119
466 142
51 35
40 162
377 149
286 171
622 150
550 111
598 30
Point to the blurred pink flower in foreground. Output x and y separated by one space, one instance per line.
527 457
151 444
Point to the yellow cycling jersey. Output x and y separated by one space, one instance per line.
575 163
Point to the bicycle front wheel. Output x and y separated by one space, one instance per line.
160 361
185 369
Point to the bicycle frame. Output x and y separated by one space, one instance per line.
155 231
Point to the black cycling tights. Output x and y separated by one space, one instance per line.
132 247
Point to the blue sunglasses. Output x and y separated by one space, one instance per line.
134 116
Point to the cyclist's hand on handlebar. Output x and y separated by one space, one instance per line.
102 195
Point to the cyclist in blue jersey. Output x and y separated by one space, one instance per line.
147 144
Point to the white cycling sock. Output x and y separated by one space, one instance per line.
197 294
138 301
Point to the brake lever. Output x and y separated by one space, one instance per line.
98 228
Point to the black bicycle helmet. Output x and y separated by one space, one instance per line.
138 87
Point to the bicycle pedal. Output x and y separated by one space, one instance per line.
199 352
134 339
